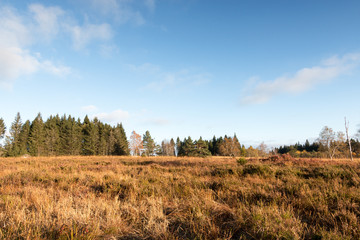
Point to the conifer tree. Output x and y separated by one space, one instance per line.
149 144
172 145
121 146
89 137
103 137
177 146
2 128
201 149
24 138
37 137
52 136
12 144
187 148
2 133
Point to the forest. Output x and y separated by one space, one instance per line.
66 135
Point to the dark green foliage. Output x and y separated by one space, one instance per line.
12 145
201 149
37 137
193 149
24 138
64 136
70 136
309 148
241 161
2 128
90 136
52 135
149 144
121 144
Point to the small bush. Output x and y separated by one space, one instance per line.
241 161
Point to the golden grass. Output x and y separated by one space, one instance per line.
178 198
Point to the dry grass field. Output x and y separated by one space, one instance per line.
178 198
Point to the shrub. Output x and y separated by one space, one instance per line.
241 161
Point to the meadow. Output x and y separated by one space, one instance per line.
178 198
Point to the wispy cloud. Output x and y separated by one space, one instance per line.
83 35
46 20
89 109
116 116
166 79
303 80
121 11
156 121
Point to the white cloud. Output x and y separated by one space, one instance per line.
89 109
156 121
182 78
17 34
120 10
15 62
158 79
302 80
46 19
82 36
13 31
108 50
114 116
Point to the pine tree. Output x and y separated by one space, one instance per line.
24 138
177 146
149 144
52 136
201 149
2 133
2 128
187 148
121 146
90 137
37 137
103 137
12 144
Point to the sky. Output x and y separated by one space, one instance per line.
269 71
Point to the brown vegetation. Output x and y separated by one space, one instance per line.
178 198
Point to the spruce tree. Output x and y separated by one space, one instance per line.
177 146
2 134
24 138
187 148
70 136
2 128
103 137
121 146
37 137
52 136
12 143
149 144
201 149
89 137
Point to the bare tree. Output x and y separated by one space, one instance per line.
136 144
263 149
330 140
347 137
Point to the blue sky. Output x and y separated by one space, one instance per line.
272 71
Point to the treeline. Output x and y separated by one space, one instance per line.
66 135
330 144
63 135
222 146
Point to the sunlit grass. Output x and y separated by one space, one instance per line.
178 198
